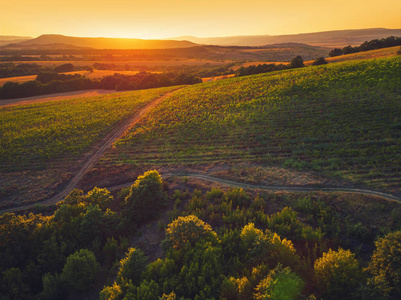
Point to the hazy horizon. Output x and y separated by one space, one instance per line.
158 19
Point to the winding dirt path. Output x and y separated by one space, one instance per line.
96 154
213 179
243 185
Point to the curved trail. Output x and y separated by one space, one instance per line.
96 154
243 185
231 183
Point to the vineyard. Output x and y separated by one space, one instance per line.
33 135
339 119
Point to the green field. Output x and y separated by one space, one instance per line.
340 119
33 135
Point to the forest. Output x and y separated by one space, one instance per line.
217 244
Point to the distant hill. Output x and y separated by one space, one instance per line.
10 39
104 43
337 38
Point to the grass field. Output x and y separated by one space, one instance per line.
33 134
340 119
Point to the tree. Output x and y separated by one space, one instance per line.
280 284
337 274
319 61
132 266
189 230
52 288
385 265
81 269
146 197
336 52
101 197
297 62
12 285
64 68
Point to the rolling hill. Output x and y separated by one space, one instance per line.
7 39
102 43
332 39
340 119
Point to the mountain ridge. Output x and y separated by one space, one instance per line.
331 38
104 43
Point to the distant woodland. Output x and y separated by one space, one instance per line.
390 41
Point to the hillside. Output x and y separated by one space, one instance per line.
266 182
103 43
332 39
9 39
341 120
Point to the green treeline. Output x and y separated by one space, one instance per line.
217 245
390 41
52 82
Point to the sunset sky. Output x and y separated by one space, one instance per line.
151 19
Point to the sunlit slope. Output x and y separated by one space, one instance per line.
342 119
33 135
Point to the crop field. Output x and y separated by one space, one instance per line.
32 135
343 120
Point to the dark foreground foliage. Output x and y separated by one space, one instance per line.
218 245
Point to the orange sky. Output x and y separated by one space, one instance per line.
206 18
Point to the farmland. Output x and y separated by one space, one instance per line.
342 120
302 128
41 143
